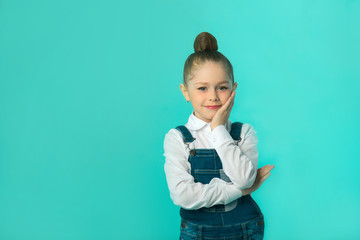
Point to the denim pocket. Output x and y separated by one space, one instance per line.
184 236
188 231
256 228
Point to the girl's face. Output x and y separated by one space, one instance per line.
208 90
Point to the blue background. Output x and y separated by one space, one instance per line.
88 90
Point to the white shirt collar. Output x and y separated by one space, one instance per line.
195 123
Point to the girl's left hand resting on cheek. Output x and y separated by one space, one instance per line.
222 115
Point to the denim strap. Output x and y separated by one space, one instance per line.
188 138
236 130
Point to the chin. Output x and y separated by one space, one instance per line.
210 118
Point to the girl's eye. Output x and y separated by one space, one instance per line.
223 88
202 88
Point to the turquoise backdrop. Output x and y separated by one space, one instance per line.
88 89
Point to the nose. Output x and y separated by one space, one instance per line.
213 95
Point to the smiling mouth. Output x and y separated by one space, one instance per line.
213 107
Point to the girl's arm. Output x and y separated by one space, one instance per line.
240 160
262 174
183 190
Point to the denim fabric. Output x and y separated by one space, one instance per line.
240 219
249 230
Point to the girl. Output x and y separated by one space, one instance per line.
211 163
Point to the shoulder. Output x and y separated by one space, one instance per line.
173 136
248 128
245 128
174 145
248 134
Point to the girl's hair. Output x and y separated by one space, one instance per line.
205 47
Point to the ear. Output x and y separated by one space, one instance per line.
185 92
234 86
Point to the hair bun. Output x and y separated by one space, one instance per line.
205 41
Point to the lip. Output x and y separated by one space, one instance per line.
213 107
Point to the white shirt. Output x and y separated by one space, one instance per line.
239 162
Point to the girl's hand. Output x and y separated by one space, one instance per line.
262 174
222 115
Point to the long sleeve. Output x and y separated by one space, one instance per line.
183 190
239 161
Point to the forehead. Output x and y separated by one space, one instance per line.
210 73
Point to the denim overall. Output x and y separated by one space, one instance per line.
240 219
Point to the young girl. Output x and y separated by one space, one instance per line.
211 163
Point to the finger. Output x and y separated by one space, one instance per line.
269 167
264 170
263 178
227 103
266 176
227 111
262 173
231 104
266 166
231 100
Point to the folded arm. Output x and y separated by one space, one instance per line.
240 160
183 190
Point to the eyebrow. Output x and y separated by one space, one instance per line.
205 83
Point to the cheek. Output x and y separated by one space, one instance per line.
225 96
197 97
